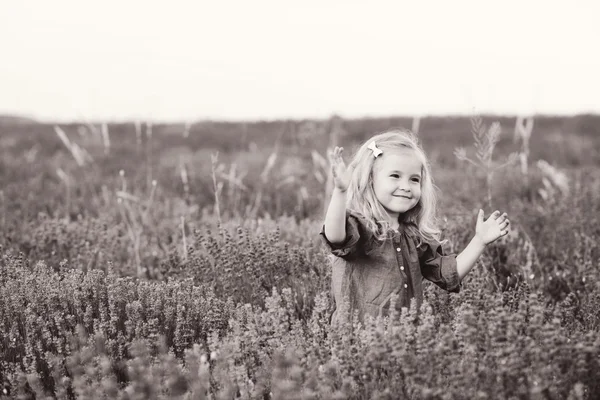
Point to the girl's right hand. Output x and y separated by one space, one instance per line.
341 173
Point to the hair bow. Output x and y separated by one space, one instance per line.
373 147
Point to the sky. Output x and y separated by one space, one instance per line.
117 60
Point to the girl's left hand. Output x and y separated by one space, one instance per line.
493 228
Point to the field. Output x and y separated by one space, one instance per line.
144 261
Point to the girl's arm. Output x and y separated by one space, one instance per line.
335 219
486 232
466 260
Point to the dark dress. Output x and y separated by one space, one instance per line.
367 272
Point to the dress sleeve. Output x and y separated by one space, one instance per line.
354 233
438 267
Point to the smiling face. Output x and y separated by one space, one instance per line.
397 181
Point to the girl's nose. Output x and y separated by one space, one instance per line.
404 186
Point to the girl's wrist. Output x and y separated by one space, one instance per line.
479 241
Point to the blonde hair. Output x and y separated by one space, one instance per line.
361 198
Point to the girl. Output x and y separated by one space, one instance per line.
381 228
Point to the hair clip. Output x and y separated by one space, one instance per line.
373 147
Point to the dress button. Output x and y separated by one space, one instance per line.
401 268
398 249
405 285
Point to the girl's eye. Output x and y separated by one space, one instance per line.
395 176
416 180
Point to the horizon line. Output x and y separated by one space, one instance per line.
31 119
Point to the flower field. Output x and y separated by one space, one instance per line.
162 261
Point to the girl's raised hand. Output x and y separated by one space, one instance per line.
341 173
493 228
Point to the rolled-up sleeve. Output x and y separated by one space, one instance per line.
350 245
438 267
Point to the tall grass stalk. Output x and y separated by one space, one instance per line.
320 167
138 135
92 128
69 145
67 181
105 139
485 143
184 241
135 215
148 154
245 135
186 129
235 185
523 129
184 179
133 228
264 177
150 201
3 200
216 186
123 181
